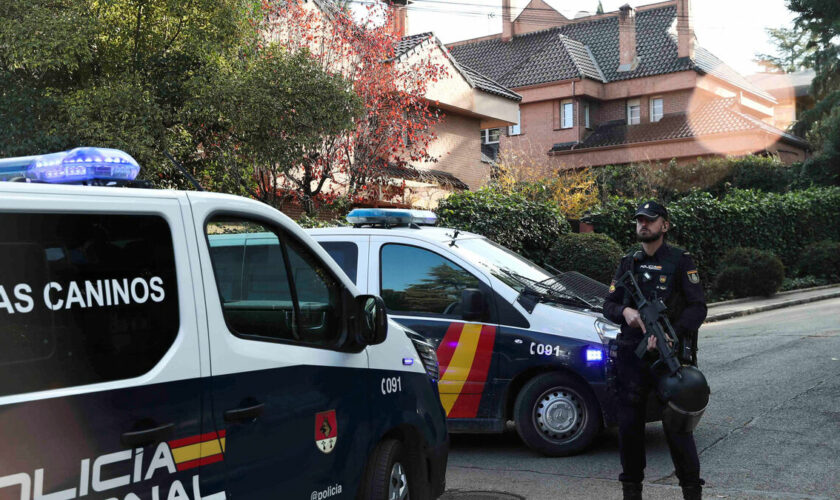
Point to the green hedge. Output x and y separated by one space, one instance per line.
527 227
821 260
748 272
783 223
591 254
671 181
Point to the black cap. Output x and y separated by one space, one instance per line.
651 209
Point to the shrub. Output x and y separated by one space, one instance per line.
510 219
802 282
308 222
747 272
672 180
783 223
594 255
766 174
821 259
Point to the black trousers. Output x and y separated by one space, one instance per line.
634 382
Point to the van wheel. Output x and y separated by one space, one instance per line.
388 475
556 415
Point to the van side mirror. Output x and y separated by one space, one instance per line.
371 320
472 304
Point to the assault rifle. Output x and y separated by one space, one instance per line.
683 388
656 324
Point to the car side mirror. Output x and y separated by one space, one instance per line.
371 320
472 304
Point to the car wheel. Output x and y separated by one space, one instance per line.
388 474
556 415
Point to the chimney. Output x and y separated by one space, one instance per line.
685 29
399 9
628 59
507 22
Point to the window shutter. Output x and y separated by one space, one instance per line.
556 114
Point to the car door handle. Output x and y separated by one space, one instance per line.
246 413
134 439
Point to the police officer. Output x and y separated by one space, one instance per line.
667 273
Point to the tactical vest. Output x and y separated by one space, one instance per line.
660 279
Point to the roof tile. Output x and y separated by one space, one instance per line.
719 116
590 49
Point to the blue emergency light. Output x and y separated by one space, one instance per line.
391 217
594 354
78 165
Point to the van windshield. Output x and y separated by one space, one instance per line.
500 261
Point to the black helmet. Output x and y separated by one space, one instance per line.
686 395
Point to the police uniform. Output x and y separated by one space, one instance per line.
670 275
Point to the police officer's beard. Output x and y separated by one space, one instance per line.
648 237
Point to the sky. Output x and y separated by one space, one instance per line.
733 30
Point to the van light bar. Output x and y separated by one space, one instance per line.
391 216
594 354
75 166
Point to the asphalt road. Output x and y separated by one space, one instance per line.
772 429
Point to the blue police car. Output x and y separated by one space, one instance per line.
515 342
185 345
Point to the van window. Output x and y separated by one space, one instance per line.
271 287
84 298
345 254
430 285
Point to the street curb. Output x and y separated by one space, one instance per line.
770 307
789 292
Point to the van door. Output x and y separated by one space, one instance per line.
290 404
426 297
99 375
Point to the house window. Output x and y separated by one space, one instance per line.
634 112
586 115
656 109
516 129
490 136
567 114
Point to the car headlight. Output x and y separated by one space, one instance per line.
606 331
426 353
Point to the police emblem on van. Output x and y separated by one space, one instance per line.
326 431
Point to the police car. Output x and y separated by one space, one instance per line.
514 341
186 345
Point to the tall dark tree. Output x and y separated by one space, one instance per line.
196 79
794 50
600 9
821 18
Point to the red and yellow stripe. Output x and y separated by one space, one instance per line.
198 450
464 355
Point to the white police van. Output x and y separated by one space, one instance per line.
145 356
514 341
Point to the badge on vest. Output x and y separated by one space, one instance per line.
663 279
693 276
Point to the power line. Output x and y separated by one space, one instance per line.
525 17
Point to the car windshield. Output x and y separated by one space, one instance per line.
500 261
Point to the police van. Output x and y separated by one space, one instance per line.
515 342
170 345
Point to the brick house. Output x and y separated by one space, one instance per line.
622 87
468 102
792 91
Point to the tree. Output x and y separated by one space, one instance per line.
270 110
396 123
821 125
106 73
600 9
154 76
793 49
